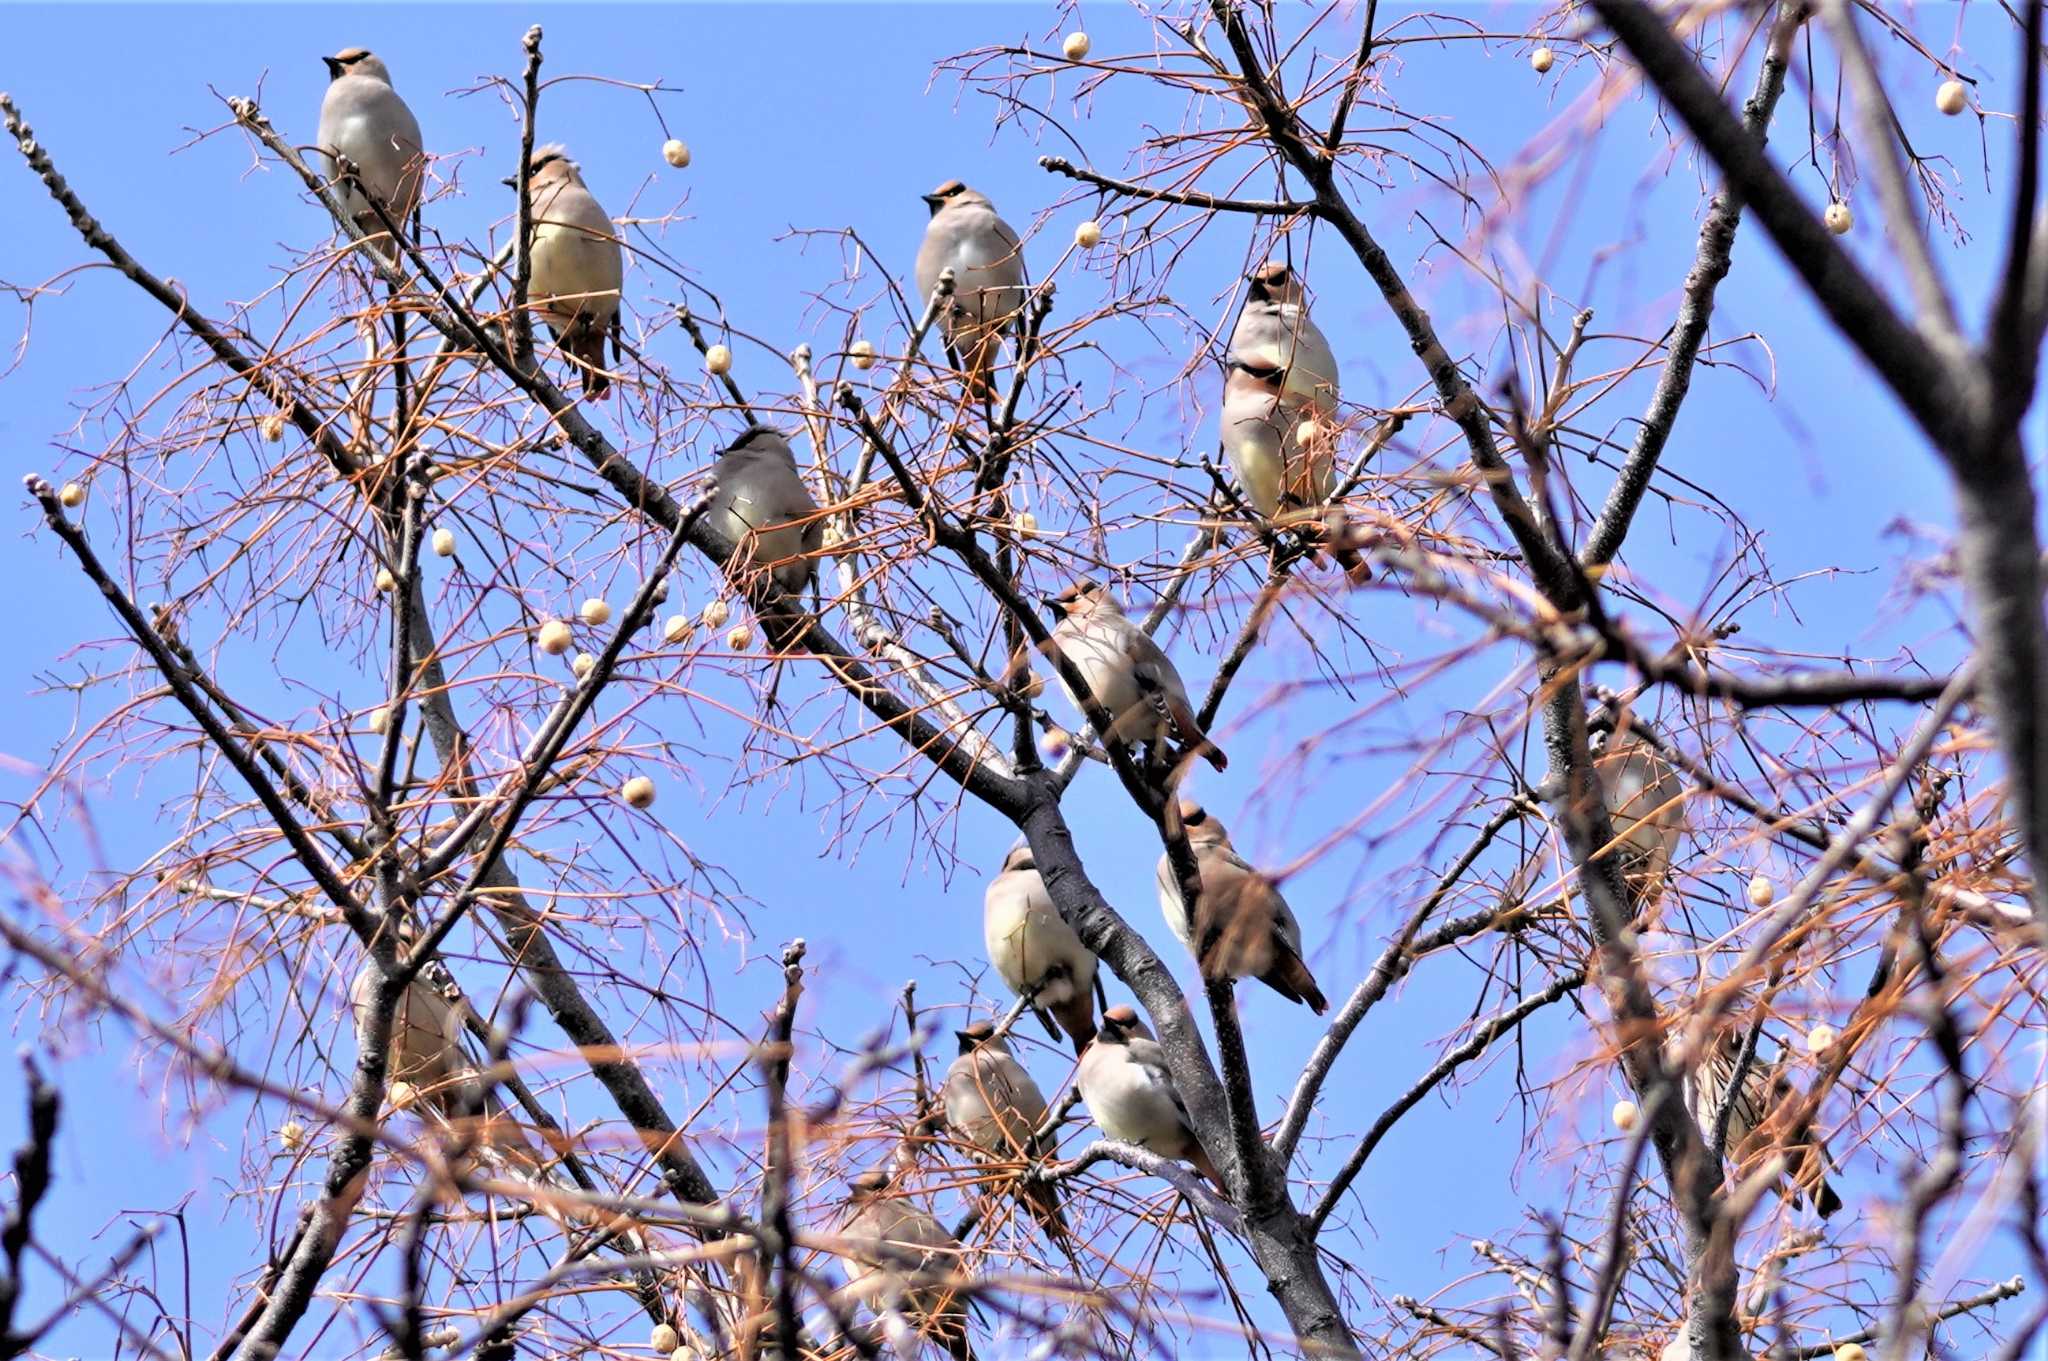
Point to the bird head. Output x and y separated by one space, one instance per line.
764 439
980 1035
1019 858
1201 828
952 191
1119 1023
868 1185
550 162
1275 281
1080 597
357 61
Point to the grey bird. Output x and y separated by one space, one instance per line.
1261 438
966 235
1646 803
995 1108
764 511
1765 1087
578 268
1035 951
897 1256
1127 672
1129 1091
363 119
1242 927
1274 330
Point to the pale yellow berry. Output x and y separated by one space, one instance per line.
1821 1038
1076 46
401 1095
718 361
553 638
380 719
683 1353
386 581
271 427
583 665
1626 1113
594 612
1951 97
1025 523
676 629
1056 743
1306 432
638 792
1034 685
665 1339
716 613
1542 59
1838 220
740 637
1761 892
1087 234
441 1337
675 153
444 543
72 496
291 1136
1851 1351
862 353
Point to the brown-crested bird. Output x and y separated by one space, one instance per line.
966 236
363 119
995 1108
1646 802
1765 1087
1035 951
898 1256
1130 675
1242 927
578 268
1129 1091
1274 329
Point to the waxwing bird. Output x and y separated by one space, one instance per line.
1126 671
1130 1093
994 1107
897 1259
1261 438
764 510
1036 952
1646 802
363 119
1275 331
1242 927
966 236
1765 1087
578 268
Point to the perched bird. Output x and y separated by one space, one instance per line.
1126 671
1242 927
578 267
426 1037
763 509
898 1253
966 236
1124 1081
1646 802
995 1108
1035 951
1275 331
1764 1088
362 118
1261 438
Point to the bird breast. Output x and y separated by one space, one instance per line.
1027 939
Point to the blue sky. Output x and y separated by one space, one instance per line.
803 117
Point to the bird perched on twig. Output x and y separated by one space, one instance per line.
1242 927
1765 1087
1128 673
363 119
764 511
578 268
899 1258
995 1108
1035 951
1646 802
966 236
1129 1091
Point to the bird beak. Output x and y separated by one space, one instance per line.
932 201
1054 606
333 67
510 181
966 1040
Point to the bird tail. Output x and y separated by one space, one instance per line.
979 361
1191 735
1199 1157
1077 1017
585 344
1290 977
1042 1198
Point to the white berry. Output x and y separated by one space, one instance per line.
401 1095
553 638
676 628
1761 892
1025 523
1034 685
583 665
716 613
386 581
594 612
1838 220
1821 1038
638 792
1076 46
1056 742
675 153
1626 1113
862 353
271 427
1087 234
740 637
664 1339
718 361
1542 59
291 1135
72 496
1306 432
1851 1351
444 543
380 719
1951 97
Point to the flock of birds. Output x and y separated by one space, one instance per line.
1279 425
